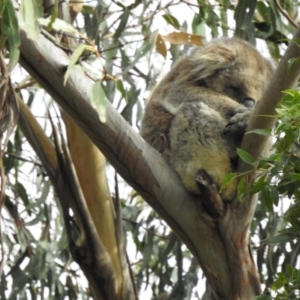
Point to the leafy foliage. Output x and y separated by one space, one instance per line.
281 240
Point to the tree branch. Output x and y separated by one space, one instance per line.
285 77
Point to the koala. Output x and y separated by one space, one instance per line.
197 115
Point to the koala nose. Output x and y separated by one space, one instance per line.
248 102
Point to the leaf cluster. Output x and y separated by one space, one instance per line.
280 203
38 261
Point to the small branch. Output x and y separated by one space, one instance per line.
23 159
284 13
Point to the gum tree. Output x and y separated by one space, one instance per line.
62 48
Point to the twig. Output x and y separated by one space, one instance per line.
284 13
23 159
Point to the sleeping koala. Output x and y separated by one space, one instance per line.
197 115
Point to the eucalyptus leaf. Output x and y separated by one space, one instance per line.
171 20
30 12
246 157
10 27
74 59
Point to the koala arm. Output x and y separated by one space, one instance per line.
178 94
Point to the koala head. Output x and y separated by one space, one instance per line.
231 67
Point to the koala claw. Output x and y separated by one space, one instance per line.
238 122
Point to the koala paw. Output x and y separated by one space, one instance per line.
238 122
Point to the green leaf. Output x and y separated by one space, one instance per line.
99 100
292 216
267 198
73 60
22 193
10 27
280 239
257 187
123 23
198 25
291 93
30 11
262 297
246 157
172 21
279 282
274 195
228 179
241 188
295 176
121 89
54 14
266 132
293 273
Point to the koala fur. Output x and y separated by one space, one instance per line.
197 115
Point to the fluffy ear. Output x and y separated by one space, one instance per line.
206 61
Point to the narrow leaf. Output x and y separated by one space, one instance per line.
257 187
266 196
74 58
246 157
10 28
121 89
123 23
279 282
266 132
241 189
280 239
172 21
228 179
30 11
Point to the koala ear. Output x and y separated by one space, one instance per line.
206 61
